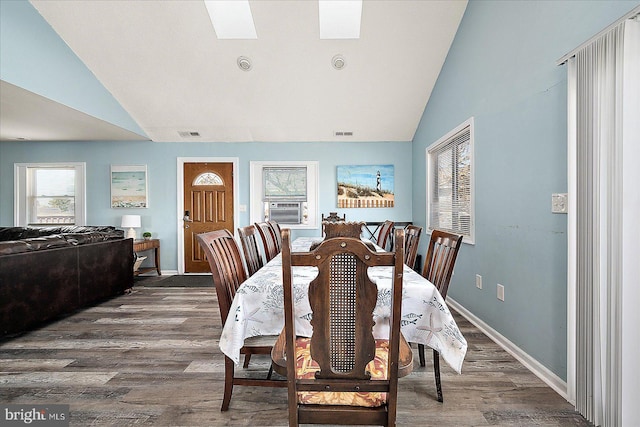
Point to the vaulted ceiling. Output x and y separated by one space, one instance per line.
162 62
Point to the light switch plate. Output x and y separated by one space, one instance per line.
559 203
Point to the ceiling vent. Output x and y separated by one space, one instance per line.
188 134
244 63
344 133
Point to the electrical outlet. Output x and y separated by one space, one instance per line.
478 281
500 292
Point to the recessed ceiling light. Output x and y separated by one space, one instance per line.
244 63
231 19
340 19
338 62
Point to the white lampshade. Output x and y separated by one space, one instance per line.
131 222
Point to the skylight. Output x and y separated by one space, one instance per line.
231 19
340 19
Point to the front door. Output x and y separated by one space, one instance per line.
208 201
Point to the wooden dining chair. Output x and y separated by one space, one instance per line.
277 234
268 238
342 374
334 217
249 241
385 232
228 273
411 242
438 268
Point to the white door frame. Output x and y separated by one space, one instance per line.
179 205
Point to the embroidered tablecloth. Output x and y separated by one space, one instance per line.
257 309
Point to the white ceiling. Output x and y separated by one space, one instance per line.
162 61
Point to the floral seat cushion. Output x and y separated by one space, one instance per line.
307 367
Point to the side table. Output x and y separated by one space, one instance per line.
145 245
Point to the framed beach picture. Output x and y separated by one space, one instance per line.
129 186
365 186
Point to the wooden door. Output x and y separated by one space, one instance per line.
208 197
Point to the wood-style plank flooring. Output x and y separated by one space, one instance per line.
151 357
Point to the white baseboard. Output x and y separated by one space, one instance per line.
539 370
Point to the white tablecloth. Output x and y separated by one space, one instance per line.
257 309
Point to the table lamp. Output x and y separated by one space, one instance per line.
131 222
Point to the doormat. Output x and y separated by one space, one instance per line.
177 281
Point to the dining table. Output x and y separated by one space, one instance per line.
258 308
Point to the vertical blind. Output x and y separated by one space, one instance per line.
596 110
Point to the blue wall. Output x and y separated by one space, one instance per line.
502 70
160 158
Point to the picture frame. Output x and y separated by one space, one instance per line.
129 187
365 186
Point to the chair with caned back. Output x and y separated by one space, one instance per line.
438 269
411 242
269 242
385 232
342 374
276 232
228 273
249 240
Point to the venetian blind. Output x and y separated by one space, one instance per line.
450 198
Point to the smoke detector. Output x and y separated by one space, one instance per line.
244 63
338 62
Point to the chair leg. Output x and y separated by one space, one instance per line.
247 357
228 383
421 354
270 371
436 371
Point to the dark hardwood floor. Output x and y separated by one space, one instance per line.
151 357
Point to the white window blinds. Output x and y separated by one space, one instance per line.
450 198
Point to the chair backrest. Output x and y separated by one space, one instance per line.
342 299
225 261
342 229
411 241
333 217
277 233
268 240
249 240
441 258
383 235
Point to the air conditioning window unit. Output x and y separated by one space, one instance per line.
285 212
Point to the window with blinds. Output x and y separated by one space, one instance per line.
450 204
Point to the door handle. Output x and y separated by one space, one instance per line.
187 219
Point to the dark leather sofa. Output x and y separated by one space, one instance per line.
52 271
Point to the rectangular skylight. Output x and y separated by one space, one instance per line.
340 19
231 19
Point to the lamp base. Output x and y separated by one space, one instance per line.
131 234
